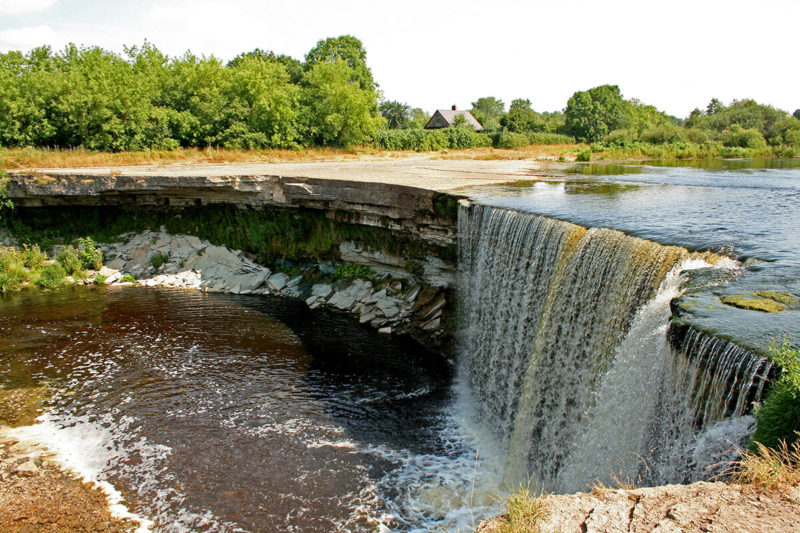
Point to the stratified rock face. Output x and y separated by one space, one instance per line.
711 507
427 214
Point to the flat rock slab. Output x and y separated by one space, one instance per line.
415 171
707 507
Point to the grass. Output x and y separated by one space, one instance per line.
51 277
778 418
770 469
351 271
29 158
523 513
30 265
159 259
22 158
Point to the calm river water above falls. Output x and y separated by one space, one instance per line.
235 413
747 208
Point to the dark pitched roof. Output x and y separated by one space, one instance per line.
449 115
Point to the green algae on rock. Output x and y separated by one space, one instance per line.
754 303
784 298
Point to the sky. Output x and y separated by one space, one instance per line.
676 55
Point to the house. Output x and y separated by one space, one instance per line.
444 118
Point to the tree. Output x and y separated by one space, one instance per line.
747 113
419 118
397 114
293 67
714 107
796 114
335 110
262 106
345 48
521 117
488 110
592 114
583 118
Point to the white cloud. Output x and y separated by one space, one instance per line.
26 38
16 7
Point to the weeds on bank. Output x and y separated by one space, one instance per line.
769 468
599 488
524 511
778 417
159 259
31 265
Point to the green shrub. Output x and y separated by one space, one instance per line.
351 271
743 138
127 278
99 279
584 155
52 276
779 416
10 258
430 140
662 134
696 135
543 137
6 205
791 138
622 137
159 259
90 256
13 278
68 257
511 141
34 257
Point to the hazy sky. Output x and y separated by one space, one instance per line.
676 55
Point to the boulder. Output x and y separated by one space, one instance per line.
278 281
342 300
322 290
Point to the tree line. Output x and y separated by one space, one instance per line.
142 99
93 98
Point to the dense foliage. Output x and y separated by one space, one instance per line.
779 416
96 99
141 100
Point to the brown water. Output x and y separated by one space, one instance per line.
235 413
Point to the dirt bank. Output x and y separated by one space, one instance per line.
36 494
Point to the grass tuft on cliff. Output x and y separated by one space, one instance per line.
524 512
770 469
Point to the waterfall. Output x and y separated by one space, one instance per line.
565 347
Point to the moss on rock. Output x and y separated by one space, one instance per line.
754 303
781 297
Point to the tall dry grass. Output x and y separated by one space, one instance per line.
29 158
524 511
769 469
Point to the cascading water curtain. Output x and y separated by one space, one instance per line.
552 313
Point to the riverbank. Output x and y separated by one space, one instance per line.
27 158
38 494
712 507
